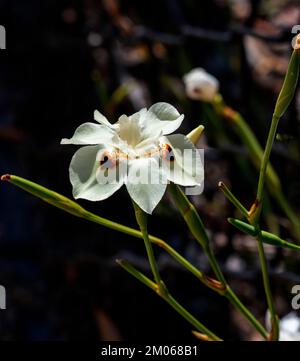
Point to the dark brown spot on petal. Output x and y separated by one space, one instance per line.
107 161
168 153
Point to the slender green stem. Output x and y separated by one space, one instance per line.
232 297
245 133
190 318
223 290
195 224
231 197
207 281
137 274
75 209
267 287
159 242
141 218
170 300
215 265
161 288
266 157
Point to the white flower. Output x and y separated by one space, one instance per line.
201 85
290 328
137 151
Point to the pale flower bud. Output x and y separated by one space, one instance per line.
201 85
195 134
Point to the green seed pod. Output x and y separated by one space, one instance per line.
267 237
289 86
190 215
46 195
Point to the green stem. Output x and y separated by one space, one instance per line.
266 157
215 265
267 287
190 318
245 133
137 274
170 300
230 196
141 218
197 228
159 242
207 281
75 209
232 297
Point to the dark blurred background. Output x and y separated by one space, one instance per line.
64 59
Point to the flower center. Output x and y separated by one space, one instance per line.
129 131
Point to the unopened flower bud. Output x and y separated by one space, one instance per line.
201 85
195 134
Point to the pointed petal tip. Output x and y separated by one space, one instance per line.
97 115
6 177
64 141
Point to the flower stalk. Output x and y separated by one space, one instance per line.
284 99
75 209
141 218
256 154
170 300
57 200
231 197
195 224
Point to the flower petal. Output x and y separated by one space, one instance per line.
100 118
162 118
186 167
90 133
84 175
146 184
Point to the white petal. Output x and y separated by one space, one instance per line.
100 118
90 133
162 118
146 184
187 168
84 169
